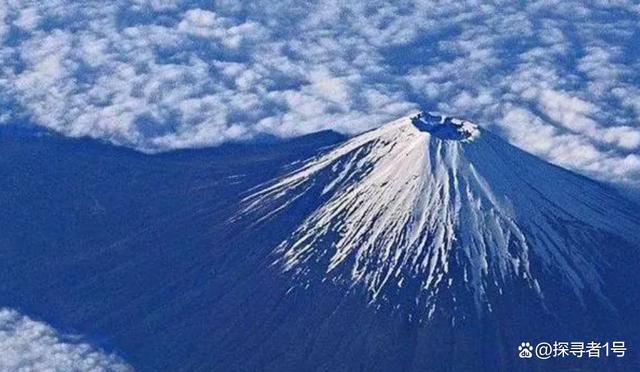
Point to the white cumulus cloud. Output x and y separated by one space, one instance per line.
557 78
28 345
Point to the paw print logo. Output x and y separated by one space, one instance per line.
525 350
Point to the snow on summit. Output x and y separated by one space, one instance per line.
429 209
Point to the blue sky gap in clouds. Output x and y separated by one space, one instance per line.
557 78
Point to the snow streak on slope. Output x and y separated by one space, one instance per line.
428 205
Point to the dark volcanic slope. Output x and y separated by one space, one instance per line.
100 240
170 260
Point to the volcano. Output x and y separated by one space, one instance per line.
430 205
427 244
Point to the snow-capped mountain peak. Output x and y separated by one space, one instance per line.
431 209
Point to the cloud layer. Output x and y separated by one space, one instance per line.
558 78
28 345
